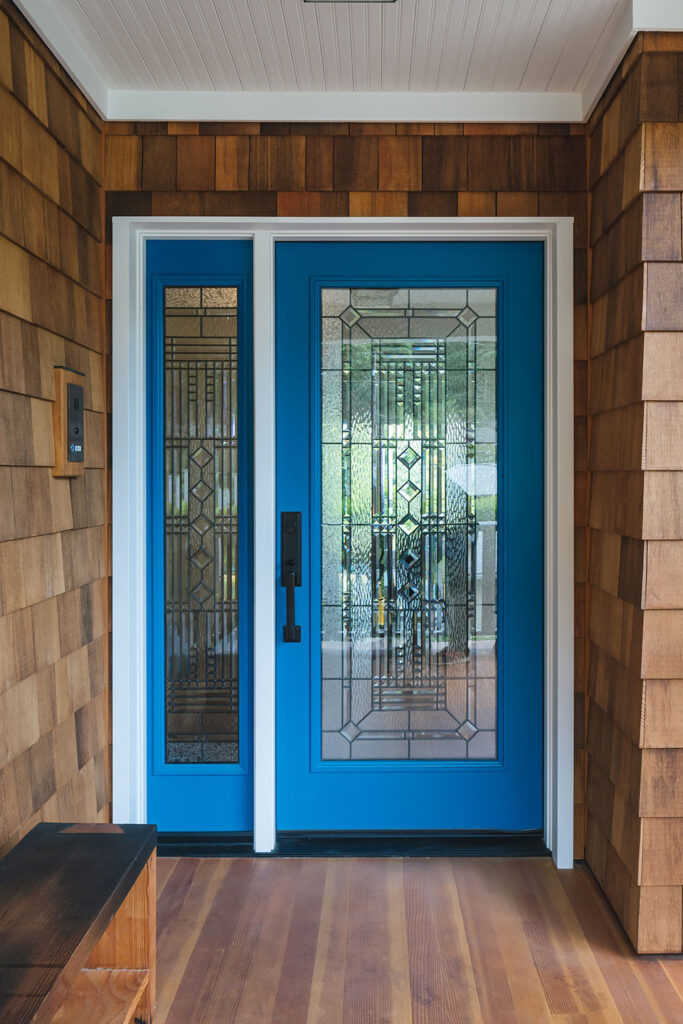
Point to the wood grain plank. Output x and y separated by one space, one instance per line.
183 907
356 163
378 204
657 983
662 713
307 878
579 966
442 979
313 204
268 961
432 204
660 919
400 164
476 204
662 646
196 163
444 163
659 86
488 163
232 162
319 163
509 890
219 959
165 868
159 156
493 989
399 955
664 296
663 157
277 163
367 983
326 1000
111 996
517 204
122 162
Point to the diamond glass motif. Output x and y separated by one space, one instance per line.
408 457
409 594
201 524
409 558
409 491
201 456
408 524
202 593
201 491
467 730
201 665
201 559
350 316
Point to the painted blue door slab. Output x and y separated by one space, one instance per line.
358 792
197 797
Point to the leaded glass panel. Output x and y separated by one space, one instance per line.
201 525
409 523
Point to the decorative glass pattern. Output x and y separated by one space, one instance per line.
201 538
409 524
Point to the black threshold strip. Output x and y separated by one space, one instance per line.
357 844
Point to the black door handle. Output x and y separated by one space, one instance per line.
290 554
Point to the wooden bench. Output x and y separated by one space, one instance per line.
78 926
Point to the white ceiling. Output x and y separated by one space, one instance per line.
286 59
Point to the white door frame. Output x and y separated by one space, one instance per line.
129 490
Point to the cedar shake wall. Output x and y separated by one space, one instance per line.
634 841
53 544
422 170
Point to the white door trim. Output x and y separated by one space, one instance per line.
130 500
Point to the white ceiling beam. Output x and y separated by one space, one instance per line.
125 105
657 15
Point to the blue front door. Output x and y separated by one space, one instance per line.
410 441
199 772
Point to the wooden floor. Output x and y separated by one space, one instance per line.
400 941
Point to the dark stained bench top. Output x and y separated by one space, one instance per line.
59 889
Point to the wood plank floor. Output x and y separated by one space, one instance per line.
399 941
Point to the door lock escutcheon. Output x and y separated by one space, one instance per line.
290 555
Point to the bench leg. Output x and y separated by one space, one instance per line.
130 939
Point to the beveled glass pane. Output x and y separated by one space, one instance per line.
201 525
409 524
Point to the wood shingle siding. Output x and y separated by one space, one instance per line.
634 798
54 588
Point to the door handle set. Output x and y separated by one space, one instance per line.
290 559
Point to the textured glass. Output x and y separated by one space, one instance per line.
409 524
201 539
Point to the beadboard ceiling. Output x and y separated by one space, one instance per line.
516 60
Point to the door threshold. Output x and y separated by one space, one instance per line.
357 844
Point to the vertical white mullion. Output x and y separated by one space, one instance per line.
563 557
559 548
129 504
549 670
264 542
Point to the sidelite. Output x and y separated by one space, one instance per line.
409 524
201 535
